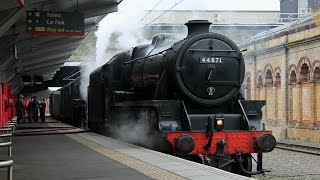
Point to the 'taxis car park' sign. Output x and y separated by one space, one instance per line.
55 23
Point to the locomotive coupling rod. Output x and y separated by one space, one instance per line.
240 163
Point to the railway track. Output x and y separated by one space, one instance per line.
298 148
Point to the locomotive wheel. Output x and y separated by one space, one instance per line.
247 164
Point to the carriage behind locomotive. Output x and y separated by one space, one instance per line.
187 94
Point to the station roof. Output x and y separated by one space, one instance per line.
24 55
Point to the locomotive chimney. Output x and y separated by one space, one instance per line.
197 27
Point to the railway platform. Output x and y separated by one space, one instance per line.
57 151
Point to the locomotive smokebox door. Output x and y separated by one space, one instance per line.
215 64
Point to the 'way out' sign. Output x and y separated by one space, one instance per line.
55 23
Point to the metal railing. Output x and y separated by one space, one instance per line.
7 144
6 132
7 164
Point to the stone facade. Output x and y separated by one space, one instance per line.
284 69
214 16
236 25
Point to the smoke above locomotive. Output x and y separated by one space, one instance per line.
185 95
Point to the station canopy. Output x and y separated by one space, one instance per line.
30 56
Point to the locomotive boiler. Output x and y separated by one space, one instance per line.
186 96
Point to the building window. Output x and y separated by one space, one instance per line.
277 80
316 74
248 88
304 73
293 77
260 83
269 80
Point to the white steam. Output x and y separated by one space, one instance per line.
133 128
116 32
122 30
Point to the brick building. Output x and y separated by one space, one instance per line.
283 67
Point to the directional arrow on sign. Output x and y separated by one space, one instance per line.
49 23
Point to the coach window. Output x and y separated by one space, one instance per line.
316 74
304 73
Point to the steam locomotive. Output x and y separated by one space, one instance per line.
182 98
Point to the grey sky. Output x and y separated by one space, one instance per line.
259 5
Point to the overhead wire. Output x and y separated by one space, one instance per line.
177 3
150 11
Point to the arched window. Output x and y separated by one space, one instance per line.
316 74
277 80
293 77
269 79
260 83
304 73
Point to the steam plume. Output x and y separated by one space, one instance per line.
116 32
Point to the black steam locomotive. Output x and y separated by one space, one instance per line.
183 98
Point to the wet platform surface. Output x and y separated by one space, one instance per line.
58 157
57 151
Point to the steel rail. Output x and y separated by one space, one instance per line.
298 148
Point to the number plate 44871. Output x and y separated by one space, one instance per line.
211 60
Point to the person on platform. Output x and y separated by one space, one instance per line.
20 109
35 109
30 110
25 103
42 108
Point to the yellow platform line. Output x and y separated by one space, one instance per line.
136 164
